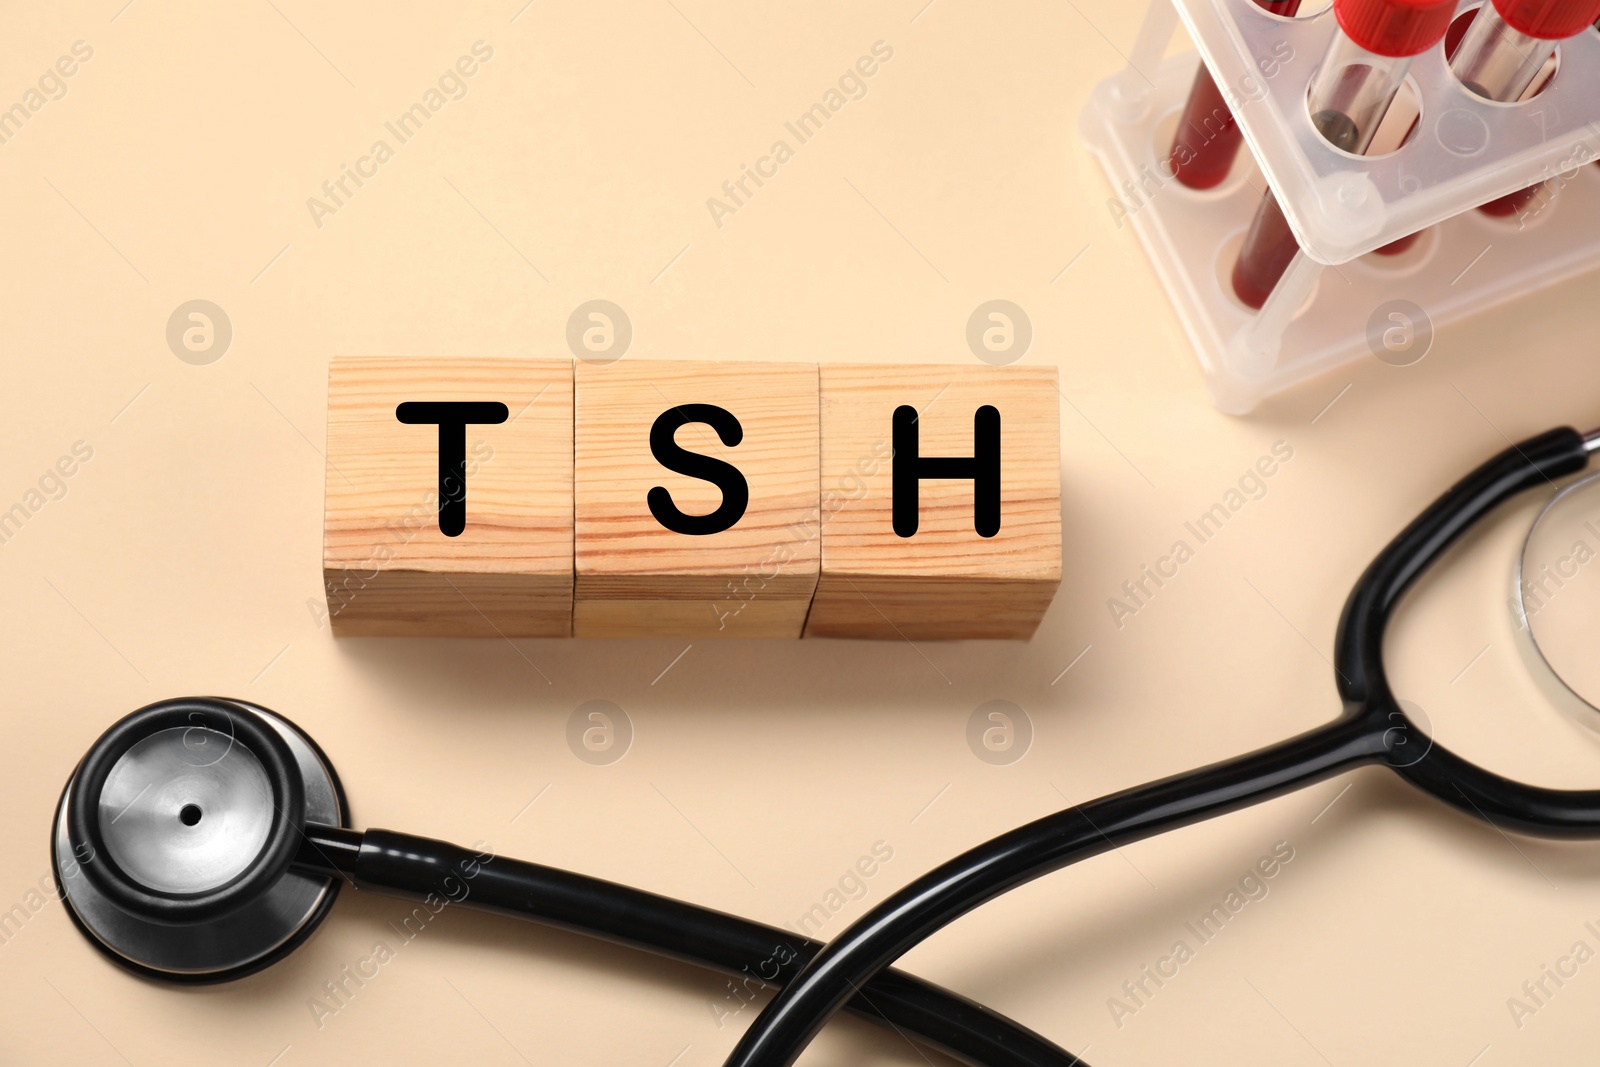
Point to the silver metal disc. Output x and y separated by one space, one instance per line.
152 843
1556 600
186 810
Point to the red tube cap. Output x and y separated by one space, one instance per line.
1549 20
1396 27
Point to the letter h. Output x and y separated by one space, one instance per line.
983 468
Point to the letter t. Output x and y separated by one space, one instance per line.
452 417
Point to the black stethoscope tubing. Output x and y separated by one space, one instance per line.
1372 728
300 850
416 866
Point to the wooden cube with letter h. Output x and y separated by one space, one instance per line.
449 497
696 498
940 502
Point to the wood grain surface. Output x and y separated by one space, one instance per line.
560 539
388 569
945 581
637 578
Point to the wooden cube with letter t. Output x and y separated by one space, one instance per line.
941 502
696 498
449 497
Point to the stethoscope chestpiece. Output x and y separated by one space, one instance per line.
174 839
1554 592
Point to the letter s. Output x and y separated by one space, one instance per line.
724 475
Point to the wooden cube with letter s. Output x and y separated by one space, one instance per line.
696 489
940 502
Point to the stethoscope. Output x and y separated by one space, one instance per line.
202 839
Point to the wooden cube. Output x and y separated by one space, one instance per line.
648 436
947 579
389 567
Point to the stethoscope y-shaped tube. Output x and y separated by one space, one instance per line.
202 839
1371 729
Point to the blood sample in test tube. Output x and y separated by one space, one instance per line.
1505 52
1207 139
1364 68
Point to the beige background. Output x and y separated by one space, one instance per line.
184 555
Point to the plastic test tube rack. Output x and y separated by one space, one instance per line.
1464 151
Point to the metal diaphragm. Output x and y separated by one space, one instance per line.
173 839
1556 599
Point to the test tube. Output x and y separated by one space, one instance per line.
1360 75
1207 139
1452 40
1504 53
